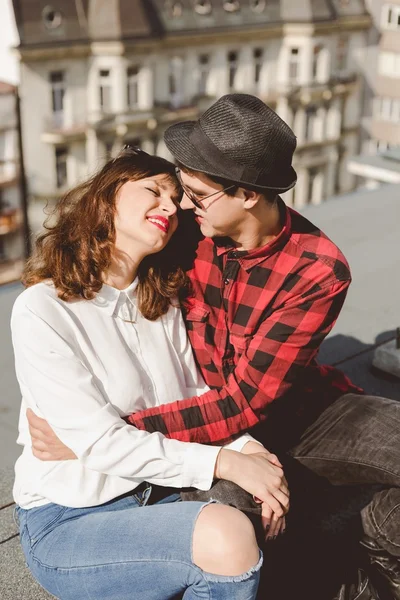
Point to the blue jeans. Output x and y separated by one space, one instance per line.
124 549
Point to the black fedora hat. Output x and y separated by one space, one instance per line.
238 138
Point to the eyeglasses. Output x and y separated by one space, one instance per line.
192 197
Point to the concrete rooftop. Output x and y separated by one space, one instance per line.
366 226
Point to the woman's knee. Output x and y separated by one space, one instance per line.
224 541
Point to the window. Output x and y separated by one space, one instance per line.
390 16
231 5
132 86
52 18
316 60
312 176
175 79
257 5
342 50
387 109
108 147
203 73
258 56
389 64
311 116
61 166
57 83
105 90
232 68
294 64
202 7
175 9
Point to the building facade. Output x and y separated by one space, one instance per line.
96 74
385 123
11 240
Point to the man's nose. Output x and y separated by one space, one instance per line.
186 203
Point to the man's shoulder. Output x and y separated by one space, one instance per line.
316 248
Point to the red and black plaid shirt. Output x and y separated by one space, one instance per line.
256 322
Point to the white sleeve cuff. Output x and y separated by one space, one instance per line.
240 443
199 466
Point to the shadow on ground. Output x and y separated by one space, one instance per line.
354 358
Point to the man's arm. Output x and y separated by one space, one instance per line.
285 343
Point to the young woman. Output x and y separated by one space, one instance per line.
97 335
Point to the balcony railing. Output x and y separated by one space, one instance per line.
10 220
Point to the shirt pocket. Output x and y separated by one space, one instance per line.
200 332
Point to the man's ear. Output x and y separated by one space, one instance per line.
251 198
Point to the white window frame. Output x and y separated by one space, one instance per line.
203 7
390 16
233 66
105 90
317 50
61 160
342 52
57 96
310 119
258 63
132 86
389 64
203 73
294 63
231 6
387 109
175 79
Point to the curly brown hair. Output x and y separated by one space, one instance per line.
76 247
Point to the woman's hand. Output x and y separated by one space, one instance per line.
272 524
45 444
256 474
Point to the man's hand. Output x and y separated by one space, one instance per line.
45 444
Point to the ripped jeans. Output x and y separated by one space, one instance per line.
124 549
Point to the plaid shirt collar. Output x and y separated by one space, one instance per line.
251 259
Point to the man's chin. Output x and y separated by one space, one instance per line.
208 231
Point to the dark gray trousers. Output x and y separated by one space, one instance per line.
356 441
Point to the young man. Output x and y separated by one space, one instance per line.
268 287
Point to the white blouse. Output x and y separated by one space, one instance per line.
83 365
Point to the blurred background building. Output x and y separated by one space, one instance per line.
380 162
11 217
96 74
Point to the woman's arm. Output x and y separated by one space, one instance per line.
57 385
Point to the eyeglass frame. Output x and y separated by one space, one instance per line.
192 196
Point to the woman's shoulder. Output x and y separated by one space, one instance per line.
36 298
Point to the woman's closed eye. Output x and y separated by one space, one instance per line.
153 190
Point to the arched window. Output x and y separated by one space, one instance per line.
202 7
258 5
231 5
52 18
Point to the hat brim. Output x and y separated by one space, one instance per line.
177 140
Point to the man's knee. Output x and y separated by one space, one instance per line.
224 542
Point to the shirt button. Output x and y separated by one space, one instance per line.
226 281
